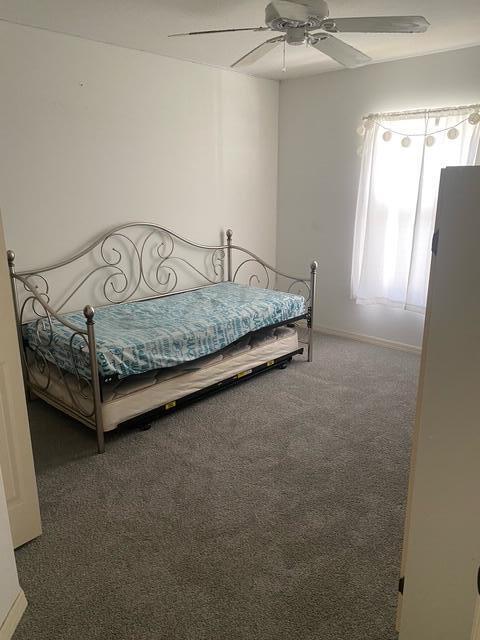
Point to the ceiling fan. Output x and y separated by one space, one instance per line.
300 21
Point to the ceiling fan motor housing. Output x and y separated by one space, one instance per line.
282 15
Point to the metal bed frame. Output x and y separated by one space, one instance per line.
132 262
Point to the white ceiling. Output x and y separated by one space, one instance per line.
145 24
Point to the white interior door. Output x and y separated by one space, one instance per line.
12 598
476 623
442 552
16 460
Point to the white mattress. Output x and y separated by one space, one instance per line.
133 396
126 404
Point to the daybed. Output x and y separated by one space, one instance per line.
170 324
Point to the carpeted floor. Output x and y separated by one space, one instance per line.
271 511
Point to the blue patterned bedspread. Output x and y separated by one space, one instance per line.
136 337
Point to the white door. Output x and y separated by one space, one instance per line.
442 538
16 460
12 598
476 623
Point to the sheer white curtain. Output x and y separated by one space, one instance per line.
397 202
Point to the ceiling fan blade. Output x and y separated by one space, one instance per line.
202 33
260 51
339 50
384 24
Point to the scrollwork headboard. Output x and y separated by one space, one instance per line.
129 262
143 260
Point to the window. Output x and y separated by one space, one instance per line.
402 157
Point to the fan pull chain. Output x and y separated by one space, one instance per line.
284 64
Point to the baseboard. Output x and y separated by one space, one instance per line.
359 337
13 617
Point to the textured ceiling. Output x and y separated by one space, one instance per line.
145 24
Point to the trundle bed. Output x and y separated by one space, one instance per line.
168 321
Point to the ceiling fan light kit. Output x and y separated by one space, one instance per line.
298 20
282 15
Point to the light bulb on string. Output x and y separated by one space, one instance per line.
430 139
474 118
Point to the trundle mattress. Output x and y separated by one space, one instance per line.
136 395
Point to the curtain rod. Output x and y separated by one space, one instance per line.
389 114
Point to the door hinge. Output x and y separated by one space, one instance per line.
435 242
401 585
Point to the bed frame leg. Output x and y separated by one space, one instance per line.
89 313
311 310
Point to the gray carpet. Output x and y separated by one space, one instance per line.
270 511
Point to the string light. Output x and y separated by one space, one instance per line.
474 118
453 134
429 136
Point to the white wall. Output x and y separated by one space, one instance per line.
93 135
319 170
